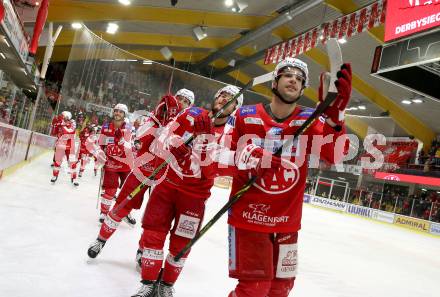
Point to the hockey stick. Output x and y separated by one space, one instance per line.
331 93
100 185
255 81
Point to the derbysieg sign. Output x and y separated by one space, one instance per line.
406 17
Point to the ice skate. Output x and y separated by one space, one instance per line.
165 290
95 248
102 218
129 220
148 289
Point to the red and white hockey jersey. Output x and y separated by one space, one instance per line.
274 203
116 143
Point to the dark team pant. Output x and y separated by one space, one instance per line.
166 204
116 214
265 264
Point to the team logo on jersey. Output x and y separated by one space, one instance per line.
296 123
254 121
259 208
259 215
195 111
247 110
306 112
109 140
275 131
282 180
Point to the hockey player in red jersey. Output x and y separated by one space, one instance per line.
181 197
145 163
87 135
115 142
55 126
264 222
65 147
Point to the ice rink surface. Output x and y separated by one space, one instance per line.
46 229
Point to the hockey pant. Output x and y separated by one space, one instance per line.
110 184
265 264
58 160
165 205
116 214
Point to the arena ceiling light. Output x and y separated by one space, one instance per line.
166 53
229 3
200 32
125 2
238 6
3 55
112 28
76 25
406 102
362 107
417 101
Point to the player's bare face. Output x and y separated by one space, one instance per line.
118 115
220 101
290 84
184 101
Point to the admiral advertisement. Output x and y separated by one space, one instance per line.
406 17
328 203
412 223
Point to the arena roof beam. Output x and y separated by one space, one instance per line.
70 11
268 27
139 38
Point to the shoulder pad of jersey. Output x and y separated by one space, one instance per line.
248 110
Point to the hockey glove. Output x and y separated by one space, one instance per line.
335 112
178 149
256 159
203 124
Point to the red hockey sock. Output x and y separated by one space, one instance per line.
281 287
106 203
109 226
172 269
246 288
151 264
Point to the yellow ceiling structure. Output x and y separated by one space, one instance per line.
69 11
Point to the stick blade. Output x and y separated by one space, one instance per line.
335 58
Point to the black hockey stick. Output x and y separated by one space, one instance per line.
335 57
255 81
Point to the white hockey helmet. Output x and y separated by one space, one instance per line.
188 94
295 63
121 107
66 115
231 90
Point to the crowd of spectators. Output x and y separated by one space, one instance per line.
15 108
431 159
